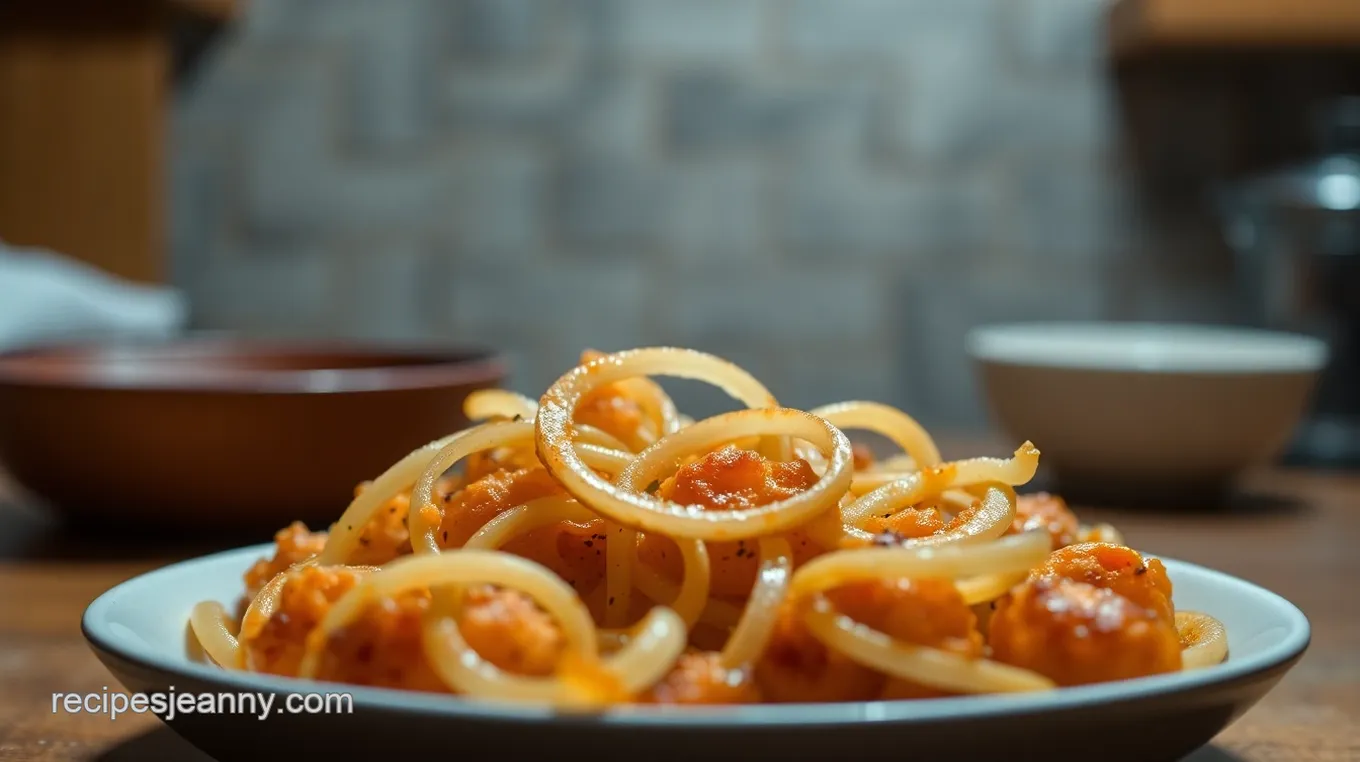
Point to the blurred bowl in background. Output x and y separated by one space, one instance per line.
219 433
1146 411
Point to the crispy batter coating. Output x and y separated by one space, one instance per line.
509 630
1075 633
1142 581
797 667
733 479
383 645
730 479
1049 513
917 521
292 544
698 678
470 508
383 539
305 598
925 612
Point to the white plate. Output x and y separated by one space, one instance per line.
138 629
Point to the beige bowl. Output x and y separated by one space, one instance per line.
1148 409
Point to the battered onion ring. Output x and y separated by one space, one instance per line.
829 530
463 670
603 458
554 427
691 599
460 568
992 518
895 496
591 435
716 612
621 557
1013 471
928 666
266 602
814 459
892 423
757 623
988 587
212 628
688 601
423 531
1205 640
420 522
484 404
1013 553
994 515
489 403
523 519
868 481
959 499
649 513
649 652
620 553
423 467
344 534
510 524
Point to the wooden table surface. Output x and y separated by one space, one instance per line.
1297 533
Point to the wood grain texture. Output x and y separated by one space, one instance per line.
82 107
1144 26
1293 532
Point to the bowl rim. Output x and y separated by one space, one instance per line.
1164 348
1279 655
445 365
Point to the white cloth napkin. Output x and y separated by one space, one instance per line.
46 298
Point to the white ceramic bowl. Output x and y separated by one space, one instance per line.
1152 409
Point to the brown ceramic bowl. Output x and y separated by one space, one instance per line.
211 433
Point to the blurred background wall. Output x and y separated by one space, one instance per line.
830 193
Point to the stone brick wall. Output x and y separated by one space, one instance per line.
830 192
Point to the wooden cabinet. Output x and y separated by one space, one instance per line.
1143 27
83 100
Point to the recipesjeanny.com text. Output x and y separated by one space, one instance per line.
170 703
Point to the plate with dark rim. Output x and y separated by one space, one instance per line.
139 631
